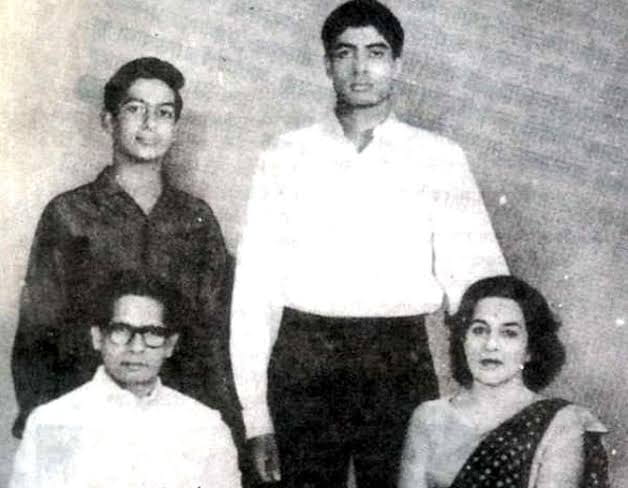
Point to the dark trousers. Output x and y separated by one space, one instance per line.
345 388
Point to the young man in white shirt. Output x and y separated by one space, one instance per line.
357 227
124 428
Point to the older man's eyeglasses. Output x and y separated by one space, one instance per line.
122 334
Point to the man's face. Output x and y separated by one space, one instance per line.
361 67
144 128
134 366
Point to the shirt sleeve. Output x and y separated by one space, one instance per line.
464 244
559 459
257 306
26 465
414 459
211 338
43 302
221 469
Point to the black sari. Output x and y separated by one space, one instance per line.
504 458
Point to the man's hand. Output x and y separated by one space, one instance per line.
265 456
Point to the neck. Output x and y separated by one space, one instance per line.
141 390
143 182
130 171
496 395
359 122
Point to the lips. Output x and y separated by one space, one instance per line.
490 362
146 141
360 87
133 366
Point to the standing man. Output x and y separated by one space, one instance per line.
129 218
357 227
123 427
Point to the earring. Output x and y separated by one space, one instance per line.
522 367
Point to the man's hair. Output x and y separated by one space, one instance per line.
147 68
363 13
547 353
176 307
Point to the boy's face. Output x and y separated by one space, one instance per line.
144 128
361 67
134 365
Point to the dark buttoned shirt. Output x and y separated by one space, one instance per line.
84 236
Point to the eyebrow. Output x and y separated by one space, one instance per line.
505 324
133 326
141 100
374 45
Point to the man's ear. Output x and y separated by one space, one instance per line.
397 67
107 121
327 65
97 337
170 344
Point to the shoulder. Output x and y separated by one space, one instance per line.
70 200
187 201
427 141
431 412
67 409
298 140
576 419
190 208
301 135
193 413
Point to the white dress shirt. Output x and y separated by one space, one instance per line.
102 436
392 230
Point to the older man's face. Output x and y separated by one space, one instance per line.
134 365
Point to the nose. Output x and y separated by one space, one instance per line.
359 63
149 119
491 342
137 343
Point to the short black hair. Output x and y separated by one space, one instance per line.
148 68
363 13
547 353
177 308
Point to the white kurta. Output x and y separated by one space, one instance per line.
101 436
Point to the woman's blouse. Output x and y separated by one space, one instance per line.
441 439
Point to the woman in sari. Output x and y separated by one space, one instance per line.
498 431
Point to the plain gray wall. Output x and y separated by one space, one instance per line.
536 91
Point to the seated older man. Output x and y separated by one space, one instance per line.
124 428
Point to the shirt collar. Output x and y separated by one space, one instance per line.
332 126
106 184
115 393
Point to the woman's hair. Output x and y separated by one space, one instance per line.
547 353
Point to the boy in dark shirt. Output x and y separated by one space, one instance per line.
129 218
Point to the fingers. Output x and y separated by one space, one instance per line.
272 465
266 458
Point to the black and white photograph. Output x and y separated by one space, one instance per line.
314 244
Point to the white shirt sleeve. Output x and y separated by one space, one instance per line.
221 469
464 244
257 306
26 465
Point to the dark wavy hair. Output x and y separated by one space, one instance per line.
148 68
177 308
363 13
547 353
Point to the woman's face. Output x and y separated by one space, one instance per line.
496 342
